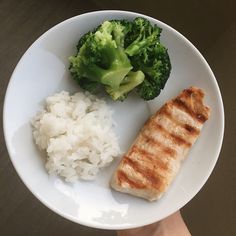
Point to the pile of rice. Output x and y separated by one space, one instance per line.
77 134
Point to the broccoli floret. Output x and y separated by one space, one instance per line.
132 80
141 36
147 54
157 71
121 55
101 57
91 86
83 39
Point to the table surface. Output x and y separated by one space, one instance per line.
209 25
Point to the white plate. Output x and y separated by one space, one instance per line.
43 70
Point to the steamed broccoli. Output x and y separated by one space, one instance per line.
119 56
148 55
141 37
101 57
132 80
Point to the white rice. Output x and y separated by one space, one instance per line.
77 134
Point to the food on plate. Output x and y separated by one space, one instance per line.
120 56
154 159
77 134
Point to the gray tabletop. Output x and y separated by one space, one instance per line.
210 26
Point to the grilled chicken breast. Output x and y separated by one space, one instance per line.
154 159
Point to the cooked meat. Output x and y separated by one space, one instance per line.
154 159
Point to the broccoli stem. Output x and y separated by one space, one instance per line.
140 43
112 76
119 66
132 80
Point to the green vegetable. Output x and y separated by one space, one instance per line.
119 56
132 80
148 55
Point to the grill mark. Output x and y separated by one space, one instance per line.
155 143
189 128
176 139
180 140
151 157
183 106
193 91
122 177
147 173
164 111
192 130
188 92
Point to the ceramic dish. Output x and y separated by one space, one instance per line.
43 70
